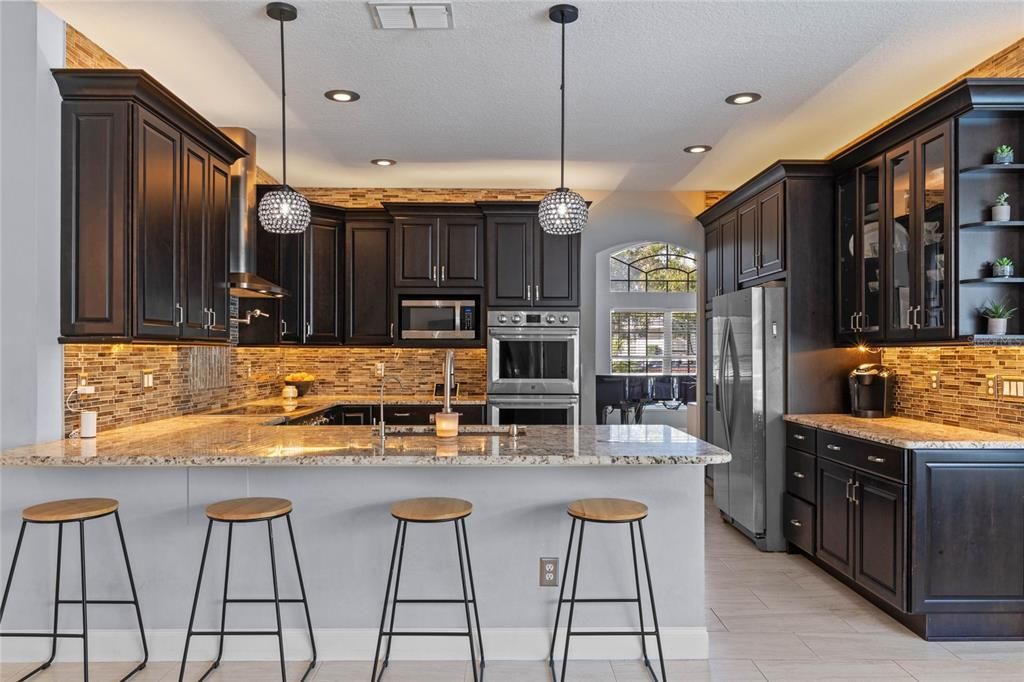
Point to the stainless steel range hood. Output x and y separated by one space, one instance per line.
243 280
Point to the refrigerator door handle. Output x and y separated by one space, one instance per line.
728 381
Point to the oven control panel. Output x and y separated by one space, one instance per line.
533 318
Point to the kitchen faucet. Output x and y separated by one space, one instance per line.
384 380
448 377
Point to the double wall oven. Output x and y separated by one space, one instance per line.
533 367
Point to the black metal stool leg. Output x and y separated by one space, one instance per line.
56 597
384 609
572 599
394 598
561 596
277 599
195 604
224 603
654 609
135 598
472 592
302 591
639 601
85 603
14 563
465 602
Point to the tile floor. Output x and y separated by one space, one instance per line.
770 617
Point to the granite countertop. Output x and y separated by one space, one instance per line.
229 440
911 434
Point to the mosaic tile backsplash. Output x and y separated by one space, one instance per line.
190 379
962 397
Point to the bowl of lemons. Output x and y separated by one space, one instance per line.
302 381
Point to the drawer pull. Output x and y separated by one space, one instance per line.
798 474
836 448
876 460
796 523
799 436
402 414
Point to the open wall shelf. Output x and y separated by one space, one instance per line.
993 280
995 168
992 225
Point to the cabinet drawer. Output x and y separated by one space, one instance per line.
401 415
798 520
862 454
800 437
800 474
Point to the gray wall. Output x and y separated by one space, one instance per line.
618 219
31 43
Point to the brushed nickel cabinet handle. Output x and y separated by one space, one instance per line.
799 436
402 414
433 273
797 474
213 318
794 522
854 498
391 330
181 314
284 328
849 482
536 292
835 448
443 278
876 460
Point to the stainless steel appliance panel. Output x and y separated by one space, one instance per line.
528 409
438 319
533 360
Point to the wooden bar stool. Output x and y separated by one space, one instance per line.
607 510
248 510
74 511
429 510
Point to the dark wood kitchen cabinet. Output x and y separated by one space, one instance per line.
438 245
369 318
720 259
310 267
933 537
760 235
527 267
144 211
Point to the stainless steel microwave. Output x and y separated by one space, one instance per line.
438 319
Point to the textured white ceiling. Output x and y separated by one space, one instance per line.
477 106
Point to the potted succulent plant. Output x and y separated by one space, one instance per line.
997 314
1001 209
1003 154
1002 267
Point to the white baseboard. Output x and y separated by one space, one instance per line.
355 645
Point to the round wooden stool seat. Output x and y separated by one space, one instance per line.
249 509
77 509
608 510
428 509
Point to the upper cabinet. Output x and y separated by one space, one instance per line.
368 280
760 236
720 258
916 238
144 211
310 267
527 267
438 245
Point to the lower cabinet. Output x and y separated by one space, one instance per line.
423 415
798 517
835 516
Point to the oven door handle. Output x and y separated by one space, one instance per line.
533 402
533 335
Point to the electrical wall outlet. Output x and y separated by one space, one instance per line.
549 571
934 376
147 380
378 370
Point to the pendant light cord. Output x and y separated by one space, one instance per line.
561 183
284 133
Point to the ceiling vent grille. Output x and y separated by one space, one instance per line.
415 15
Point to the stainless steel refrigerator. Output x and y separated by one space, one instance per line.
749 375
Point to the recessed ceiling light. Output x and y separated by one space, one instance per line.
383 162
743 98
341 95
697 149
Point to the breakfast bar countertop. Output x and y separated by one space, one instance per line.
230 440
911 434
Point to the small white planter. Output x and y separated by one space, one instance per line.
997 326
1000 214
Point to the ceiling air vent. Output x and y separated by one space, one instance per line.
412 15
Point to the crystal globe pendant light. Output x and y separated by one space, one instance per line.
283 210
563 211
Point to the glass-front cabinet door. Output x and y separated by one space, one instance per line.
900 221
848 286
868 319
933 316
